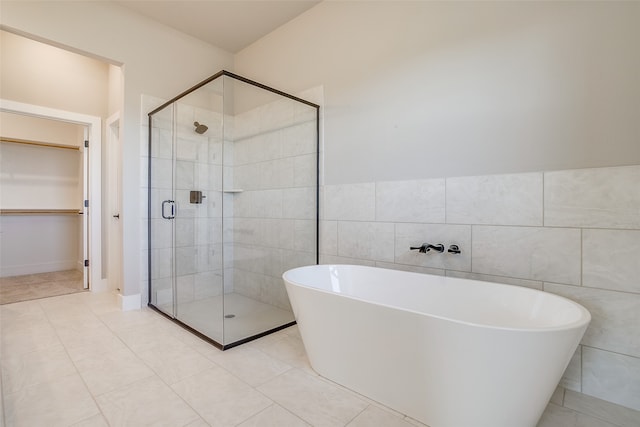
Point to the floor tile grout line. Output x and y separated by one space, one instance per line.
358 414
217 365
155 374
78 373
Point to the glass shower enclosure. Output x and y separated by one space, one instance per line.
233 203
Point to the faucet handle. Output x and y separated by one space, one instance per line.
454 249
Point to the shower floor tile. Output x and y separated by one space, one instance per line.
250 317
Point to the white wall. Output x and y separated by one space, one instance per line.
39 244
38 129
116 89
156 60
40 177
433 89
35 73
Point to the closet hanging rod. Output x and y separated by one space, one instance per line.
40 211
38 143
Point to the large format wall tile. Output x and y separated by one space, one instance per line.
619 415
548 254
366 240
332 259
413 235
305 170
533 284
299 203
329 237
599 198
411 268
350 202
277 173
558 416
410 201
304 235
495 199
299 139
611 376
615 317
572 377
267 204
159 177
611 259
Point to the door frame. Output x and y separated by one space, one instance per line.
114 202
94 130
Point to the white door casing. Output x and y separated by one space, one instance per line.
114 180
94 170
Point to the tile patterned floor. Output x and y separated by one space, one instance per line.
42 285
76 360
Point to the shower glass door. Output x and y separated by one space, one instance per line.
198 223
186 211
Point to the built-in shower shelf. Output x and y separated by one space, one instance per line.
233 190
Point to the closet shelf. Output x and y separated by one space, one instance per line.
40 211
38 143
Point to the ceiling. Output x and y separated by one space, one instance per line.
229 24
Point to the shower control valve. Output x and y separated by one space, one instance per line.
454 249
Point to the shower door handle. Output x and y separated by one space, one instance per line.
172 205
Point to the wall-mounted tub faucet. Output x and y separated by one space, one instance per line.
426 247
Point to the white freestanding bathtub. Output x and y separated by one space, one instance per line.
448 352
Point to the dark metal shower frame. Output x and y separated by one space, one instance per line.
173 100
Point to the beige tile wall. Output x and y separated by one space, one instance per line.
575 233
274 163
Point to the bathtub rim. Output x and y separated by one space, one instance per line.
583 320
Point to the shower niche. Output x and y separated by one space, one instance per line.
233 203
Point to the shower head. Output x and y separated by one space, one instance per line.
200 129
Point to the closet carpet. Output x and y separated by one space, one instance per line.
43 285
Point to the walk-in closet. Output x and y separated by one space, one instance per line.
43 232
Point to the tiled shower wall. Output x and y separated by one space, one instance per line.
274 227
575 233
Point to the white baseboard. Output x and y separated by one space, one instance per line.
129 302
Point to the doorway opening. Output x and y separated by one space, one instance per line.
50 166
